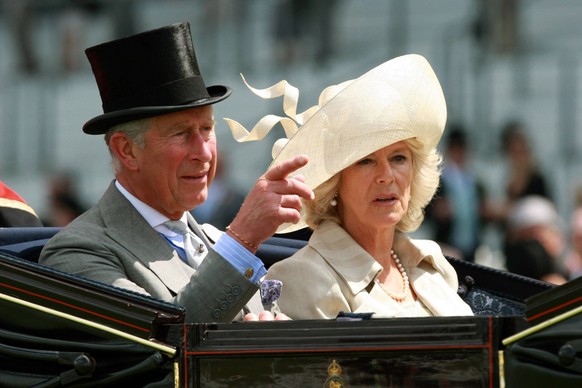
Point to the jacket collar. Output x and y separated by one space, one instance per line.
126 226
356 266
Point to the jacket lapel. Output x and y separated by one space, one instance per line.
351 262
129 229
427 278
436 295
358 269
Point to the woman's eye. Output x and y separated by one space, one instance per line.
400 158
365 161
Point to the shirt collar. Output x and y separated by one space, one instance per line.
413 252
153 217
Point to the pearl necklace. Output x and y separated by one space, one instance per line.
405 284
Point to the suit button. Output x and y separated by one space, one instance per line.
229 298
235 290
223 305
249 273
216 313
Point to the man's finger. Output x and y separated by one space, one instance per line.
266 316
282 317
290 201
282 170
299 178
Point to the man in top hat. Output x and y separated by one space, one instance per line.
159 127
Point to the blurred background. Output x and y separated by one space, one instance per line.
500 62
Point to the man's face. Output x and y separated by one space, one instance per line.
178 162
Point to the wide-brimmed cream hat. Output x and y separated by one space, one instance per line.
397 100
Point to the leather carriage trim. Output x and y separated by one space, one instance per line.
139 328
163 348
543 325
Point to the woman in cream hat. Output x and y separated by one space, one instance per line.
373 165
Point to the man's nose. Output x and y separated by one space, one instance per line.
200 148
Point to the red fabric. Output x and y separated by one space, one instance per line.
8 193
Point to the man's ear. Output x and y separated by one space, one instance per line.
124 149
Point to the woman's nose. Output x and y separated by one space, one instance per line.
385 173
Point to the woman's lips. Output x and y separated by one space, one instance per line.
388 198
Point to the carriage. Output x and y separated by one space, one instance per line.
57 329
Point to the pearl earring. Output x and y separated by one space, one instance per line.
334 200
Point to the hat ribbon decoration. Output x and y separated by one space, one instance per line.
290 124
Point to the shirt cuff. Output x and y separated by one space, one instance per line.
240 258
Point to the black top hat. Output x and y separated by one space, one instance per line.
148 74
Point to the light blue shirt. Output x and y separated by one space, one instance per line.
226 246
239 257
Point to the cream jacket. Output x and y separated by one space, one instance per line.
333 273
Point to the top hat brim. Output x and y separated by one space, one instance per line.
100 124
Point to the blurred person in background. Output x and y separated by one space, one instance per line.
459 207
19 16
525 176
573 260
64 202
304 29
534 241
64 208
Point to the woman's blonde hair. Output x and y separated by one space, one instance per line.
425 180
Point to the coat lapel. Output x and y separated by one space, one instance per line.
129 229
436 295
351 262
427 277
200 231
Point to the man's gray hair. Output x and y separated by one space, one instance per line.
134 130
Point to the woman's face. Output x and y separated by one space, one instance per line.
374 192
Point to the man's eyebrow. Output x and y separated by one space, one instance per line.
210 122
185 124
179 125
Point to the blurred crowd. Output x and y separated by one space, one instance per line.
70 16
535 240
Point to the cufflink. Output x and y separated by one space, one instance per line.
201 248
249 273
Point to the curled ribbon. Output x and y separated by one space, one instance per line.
263 127
290 123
